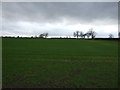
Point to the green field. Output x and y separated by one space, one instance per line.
59 63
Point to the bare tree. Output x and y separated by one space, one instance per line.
81 34
119 35
111 36
44 35
35 36
92 33
41 36
88 35
76 34
84 35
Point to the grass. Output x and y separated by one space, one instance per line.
59 63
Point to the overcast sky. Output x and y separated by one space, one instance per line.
59 19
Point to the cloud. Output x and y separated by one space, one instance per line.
32 18
55 12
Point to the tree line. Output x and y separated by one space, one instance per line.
83 35
91 33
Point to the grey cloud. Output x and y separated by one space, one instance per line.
87 12
38 14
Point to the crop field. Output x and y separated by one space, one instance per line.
59 63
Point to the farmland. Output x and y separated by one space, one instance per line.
59 63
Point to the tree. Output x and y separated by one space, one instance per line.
35 36
84 35
31 36
92 33
81 34
41 36
44 35
88 35
111 35
76 34
119 35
